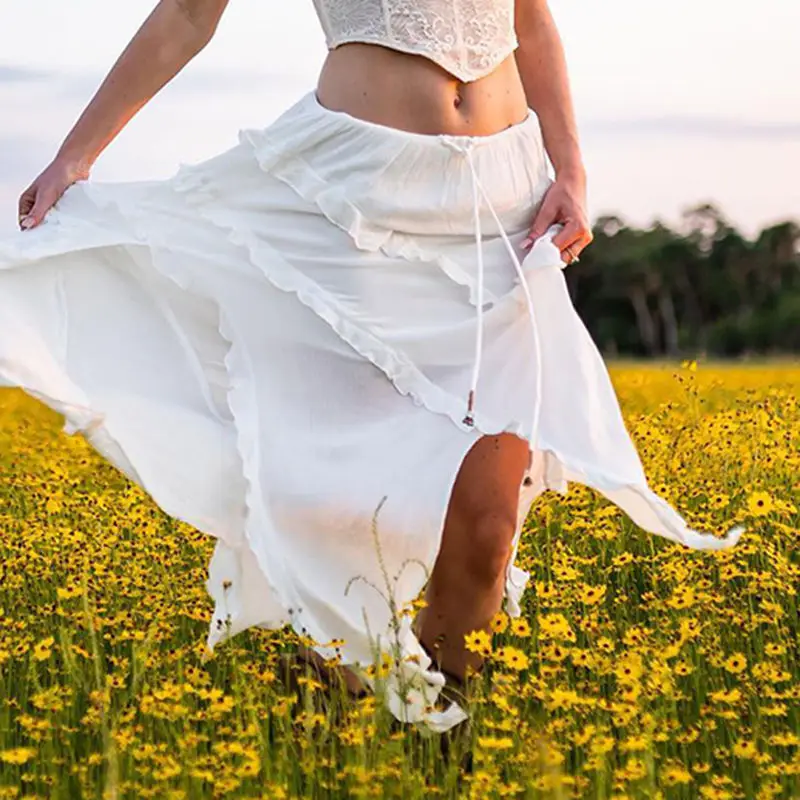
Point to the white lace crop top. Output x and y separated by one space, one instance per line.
468 38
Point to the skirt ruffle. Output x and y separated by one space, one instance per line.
276 345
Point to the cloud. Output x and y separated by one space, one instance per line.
706 127
12 74
190 79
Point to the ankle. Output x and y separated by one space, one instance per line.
457 667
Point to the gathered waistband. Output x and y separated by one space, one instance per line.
410 183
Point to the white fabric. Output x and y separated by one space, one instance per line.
279 345
468 38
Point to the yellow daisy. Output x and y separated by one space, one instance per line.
499 622
745 749
513 658
478 642
736 663
520 627
759 504
19 755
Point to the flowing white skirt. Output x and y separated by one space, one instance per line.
279 341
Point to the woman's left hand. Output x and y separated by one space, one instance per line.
564 203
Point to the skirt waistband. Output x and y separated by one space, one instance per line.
410 183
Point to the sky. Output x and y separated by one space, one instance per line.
678 103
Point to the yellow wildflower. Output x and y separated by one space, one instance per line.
520 627
675 774
478 642
745 749
18 755
44 649
759 504
591 595
495 742
499 622
513 658
731 697
736 663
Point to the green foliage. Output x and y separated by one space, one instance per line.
704 289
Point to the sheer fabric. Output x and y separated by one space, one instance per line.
468 38
279 342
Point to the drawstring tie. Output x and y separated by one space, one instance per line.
478 191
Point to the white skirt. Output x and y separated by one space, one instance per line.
292 347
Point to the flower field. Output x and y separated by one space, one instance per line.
639 669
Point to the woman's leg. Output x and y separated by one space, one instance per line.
467 584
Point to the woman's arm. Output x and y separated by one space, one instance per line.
175 32
542 66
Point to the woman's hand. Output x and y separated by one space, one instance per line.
174 33
565 204
43 193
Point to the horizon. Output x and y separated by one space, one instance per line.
675 108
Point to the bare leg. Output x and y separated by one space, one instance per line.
467 584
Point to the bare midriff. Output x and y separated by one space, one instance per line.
413 93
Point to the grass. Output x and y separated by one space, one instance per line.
638 668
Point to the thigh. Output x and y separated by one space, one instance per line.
489 480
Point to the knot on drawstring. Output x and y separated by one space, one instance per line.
465 147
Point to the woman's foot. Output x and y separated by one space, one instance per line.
333 675
332 699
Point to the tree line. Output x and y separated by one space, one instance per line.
704 289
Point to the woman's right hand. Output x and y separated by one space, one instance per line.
43 193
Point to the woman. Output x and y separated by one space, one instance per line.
344 347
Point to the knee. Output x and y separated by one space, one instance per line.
488 547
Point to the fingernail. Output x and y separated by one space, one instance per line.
527 243
26 223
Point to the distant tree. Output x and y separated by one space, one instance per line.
701 288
